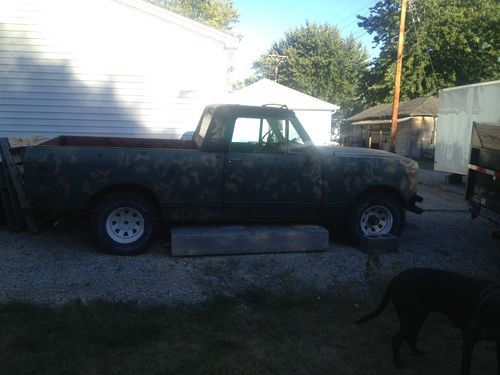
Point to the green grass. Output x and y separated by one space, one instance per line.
252 334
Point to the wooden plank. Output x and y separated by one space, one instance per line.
17 222
22 200
5 199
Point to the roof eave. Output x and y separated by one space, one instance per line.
229 41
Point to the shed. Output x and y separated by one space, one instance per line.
314 114
106 67
416 128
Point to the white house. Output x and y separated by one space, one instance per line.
314 114
106 67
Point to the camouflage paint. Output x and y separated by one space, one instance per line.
211 183
177 178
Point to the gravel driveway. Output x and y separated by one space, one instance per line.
61 264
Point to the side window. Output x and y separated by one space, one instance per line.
259 135
246 130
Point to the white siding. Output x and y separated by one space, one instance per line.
105 67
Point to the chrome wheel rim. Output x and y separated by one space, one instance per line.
376 220
125 225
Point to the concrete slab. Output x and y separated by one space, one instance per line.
252 239
379 243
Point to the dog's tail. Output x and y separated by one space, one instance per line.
385 300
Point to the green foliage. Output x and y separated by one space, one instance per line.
318 62
219 14
447 43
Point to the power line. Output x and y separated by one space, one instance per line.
371 2
359 35
343 11
352 14
349 24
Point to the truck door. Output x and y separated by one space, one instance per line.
270 172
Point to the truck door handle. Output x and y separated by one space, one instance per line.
229 161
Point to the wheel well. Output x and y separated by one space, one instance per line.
381 189
122 187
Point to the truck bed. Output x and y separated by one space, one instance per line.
115 142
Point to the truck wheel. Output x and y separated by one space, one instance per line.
376 214
124 223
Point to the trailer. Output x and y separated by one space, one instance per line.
458 108
483 179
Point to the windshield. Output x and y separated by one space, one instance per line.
297 132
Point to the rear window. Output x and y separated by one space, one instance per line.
201 131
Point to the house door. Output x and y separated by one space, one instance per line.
403 138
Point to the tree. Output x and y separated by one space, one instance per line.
219 14
318 62
447 43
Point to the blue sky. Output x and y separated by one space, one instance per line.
265 21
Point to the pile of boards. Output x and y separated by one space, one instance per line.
15 208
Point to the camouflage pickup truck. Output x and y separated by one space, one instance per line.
243 164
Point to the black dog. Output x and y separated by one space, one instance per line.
473 305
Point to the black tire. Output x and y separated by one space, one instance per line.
124 223
376 213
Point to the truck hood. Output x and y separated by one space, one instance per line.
373 167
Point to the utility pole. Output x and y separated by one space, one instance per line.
278 60
397 84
